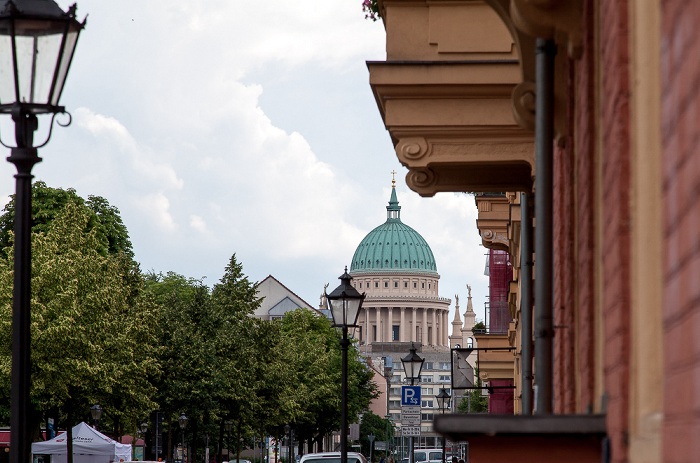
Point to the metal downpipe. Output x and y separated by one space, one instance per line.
544 270
526 301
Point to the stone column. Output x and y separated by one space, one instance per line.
390 322
424 327
435 328
414 325
402 328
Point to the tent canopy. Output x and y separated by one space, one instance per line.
87 441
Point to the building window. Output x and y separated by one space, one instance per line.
427 403
426 379
396 379
426 390
360 285
470 343
426 417
395 333
405 284
386 284
414 285
444 378
428 365
422 286
374 332
396 284
376 284
395 391
445 365
394 404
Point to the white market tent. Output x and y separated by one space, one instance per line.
89 446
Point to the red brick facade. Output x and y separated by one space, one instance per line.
680 46
584 141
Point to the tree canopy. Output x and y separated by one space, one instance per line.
104 332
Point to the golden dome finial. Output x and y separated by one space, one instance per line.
393 179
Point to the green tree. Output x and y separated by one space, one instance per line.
377 426
48 203
311 367
235 300
474 401
92 330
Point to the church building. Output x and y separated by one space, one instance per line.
395 267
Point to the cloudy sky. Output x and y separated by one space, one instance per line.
229 126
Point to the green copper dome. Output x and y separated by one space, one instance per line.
393 246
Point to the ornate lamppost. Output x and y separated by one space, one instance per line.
443 400
96 413
344 303
37 41
228 425
182 421
412 365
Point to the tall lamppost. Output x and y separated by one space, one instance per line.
143 427
96 413
389 424
228 425
443 400
412 365
290 431
344 303
37 41
182 421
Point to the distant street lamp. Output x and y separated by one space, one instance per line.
182 421
228 425
344 303
96 413
412 365
443 400
388 425
37 41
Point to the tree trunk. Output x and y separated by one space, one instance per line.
69 442
219 445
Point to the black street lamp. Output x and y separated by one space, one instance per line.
182 421
37 40
344 303
96 413
412 365
228 425
443 400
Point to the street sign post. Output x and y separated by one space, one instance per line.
410 395
410 410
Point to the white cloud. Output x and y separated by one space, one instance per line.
170 127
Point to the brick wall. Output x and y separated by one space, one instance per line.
614 127
680 45
564 266
584 139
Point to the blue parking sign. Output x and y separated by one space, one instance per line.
410 395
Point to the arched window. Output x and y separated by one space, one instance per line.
470 343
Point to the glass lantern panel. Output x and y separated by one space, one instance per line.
67 56
338 312
38 45
7 74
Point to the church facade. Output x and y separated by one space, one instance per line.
396 269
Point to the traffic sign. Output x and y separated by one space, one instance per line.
410 415
410 430
410 395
